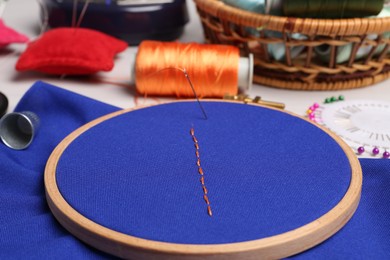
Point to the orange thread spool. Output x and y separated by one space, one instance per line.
213 69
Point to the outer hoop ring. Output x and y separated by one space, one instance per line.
126 246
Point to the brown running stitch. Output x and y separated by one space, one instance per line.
201 172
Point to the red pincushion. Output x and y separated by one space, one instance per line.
8 35
71 51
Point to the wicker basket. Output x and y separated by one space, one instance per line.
223 24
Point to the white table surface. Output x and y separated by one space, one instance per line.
23 16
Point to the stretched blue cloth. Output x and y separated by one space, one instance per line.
30 231
141 178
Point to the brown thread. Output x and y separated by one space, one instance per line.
209 211
200 171
206 199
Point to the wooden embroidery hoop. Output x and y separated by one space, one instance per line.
127 246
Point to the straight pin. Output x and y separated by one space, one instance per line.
74 13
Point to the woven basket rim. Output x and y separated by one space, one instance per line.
310 26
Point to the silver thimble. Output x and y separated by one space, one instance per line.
17 129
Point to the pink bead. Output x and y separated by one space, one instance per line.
316 105
312 108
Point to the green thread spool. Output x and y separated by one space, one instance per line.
332 8
344 52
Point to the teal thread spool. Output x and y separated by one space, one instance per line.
272 7
344 52
278 50
256 6
332 8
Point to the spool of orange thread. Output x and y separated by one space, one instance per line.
214 70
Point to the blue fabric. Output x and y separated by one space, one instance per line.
28 229
141 178
367 234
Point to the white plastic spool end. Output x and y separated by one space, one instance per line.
245 74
